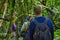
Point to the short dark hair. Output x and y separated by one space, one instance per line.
37 9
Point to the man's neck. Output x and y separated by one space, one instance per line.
39 15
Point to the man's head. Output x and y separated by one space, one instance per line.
38 10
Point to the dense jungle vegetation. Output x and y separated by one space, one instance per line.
20 9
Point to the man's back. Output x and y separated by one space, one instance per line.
40 20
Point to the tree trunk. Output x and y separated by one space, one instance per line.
5 10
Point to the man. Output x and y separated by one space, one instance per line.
26 23
40 19
25 27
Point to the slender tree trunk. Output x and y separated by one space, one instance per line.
4 13
5 10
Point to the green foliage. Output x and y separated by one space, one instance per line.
57 35
24 7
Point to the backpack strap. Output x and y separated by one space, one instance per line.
46 21
34 20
